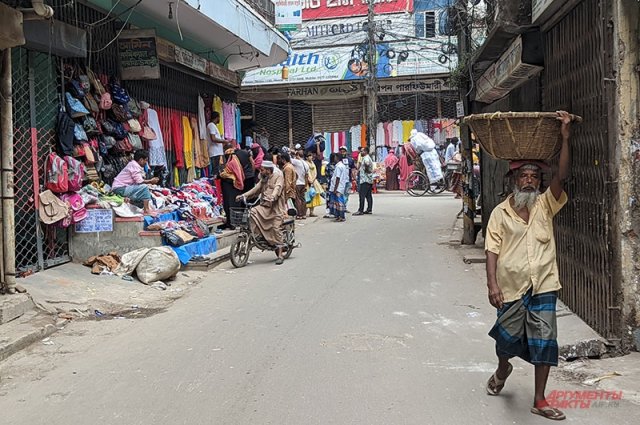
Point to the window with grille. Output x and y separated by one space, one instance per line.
425 23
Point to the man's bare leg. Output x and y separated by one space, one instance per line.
541 377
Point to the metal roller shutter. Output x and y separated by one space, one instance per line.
337 115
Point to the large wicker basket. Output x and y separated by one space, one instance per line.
518 135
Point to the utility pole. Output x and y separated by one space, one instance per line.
372 79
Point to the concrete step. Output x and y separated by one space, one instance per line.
14 306
24 331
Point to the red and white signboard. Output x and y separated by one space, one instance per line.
324 9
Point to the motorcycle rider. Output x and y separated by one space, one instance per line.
267 218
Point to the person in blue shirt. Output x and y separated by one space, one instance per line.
351 165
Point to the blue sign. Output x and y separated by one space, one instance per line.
98 220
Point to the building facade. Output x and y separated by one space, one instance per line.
322 84
169 54
591 75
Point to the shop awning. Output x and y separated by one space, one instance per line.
227 30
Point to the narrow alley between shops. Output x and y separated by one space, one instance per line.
373 321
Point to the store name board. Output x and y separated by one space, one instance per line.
190 60
338 91
324 9
138 56
169 52
413 86
505 75
541 10
288 14
331 31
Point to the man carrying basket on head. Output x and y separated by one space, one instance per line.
522 274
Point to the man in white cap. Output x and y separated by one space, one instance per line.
302 171
267 218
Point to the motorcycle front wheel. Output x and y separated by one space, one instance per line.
240 251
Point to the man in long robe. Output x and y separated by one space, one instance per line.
267 218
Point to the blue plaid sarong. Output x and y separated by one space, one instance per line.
527 328
337 205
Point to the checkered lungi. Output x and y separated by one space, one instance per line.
527 328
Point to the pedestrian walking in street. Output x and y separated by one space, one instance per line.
391 163
522 273
290 176
365 179
339 183
351 167
248 167
315 188
216 143
302 170
232 182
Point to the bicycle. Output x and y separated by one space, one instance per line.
247 240
418 183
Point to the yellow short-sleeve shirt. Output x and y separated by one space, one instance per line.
526 251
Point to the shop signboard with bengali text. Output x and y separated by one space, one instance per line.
325 9
137 55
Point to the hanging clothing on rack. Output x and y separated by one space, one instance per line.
407 126
157 156
228 110
239 137
202 120
217 106
380 137
187 133
177 139
397 133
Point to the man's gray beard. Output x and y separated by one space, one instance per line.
524 199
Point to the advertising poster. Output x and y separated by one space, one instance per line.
325 9
350 63
288 14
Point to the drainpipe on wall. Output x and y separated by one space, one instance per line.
6 148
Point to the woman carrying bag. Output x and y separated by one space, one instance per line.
315 190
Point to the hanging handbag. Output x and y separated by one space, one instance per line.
105 101
85 83
134 108
134 125
135 141
90 103
124 146
75 87
148 134
108 127
95 82
90 125
121 113
119 94
51 209
75 108
79 134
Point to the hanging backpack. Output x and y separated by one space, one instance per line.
90 103
105 101
96 83
65 131
75 108
76 172
119 94
134 108
79 134
121 113
57 174
90 125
